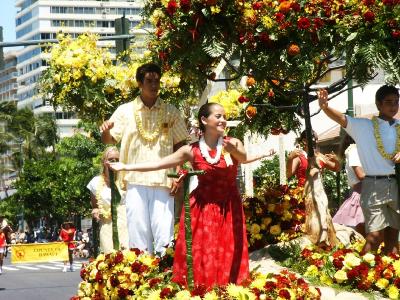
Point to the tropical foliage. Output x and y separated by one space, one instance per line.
285 46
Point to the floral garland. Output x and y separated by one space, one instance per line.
206 155
379 143
104 208
150 137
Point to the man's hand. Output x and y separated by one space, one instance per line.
106 126
96 214
322 98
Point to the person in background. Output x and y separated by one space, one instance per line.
100 196
350 212
67 235
3 245
219 241
297 161
379 151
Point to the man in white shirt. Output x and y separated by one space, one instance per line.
379 149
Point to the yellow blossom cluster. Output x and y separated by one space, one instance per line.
229 100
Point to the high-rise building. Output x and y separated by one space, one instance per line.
43 19
8 78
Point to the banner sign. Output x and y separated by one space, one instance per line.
39 252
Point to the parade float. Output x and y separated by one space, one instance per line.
281 49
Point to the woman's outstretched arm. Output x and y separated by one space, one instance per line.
177 158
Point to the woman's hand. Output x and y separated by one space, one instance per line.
270 152
295 153
116 166
230 145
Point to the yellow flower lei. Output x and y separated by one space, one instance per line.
379 143
150 137
104 207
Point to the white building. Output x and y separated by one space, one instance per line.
43 19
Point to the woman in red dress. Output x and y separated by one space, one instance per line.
219 241
297 162
67 235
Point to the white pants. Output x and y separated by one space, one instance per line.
150 217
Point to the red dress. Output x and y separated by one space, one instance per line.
301 172
220 254
67 235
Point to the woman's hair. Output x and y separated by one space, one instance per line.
205 111
104 156
303 136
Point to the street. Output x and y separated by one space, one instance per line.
38 281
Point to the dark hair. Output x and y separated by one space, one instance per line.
385 90
204 111
147 68
303 136
345 141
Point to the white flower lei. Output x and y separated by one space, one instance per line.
104 207
206 155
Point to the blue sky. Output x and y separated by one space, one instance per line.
7 19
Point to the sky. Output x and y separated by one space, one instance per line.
7 20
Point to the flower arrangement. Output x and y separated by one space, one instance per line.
352 270
229 100
277 215
84 78
132 274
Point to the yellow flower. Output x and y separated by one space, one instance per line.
325 279
229 101
183 295
255 228
258 283
239 292
369 258
393 292
154 295
275 229
382 283
387 260
312 271
267 22
371 275
215 10
340 276
286 215
266 221
351 260
396 266
211 296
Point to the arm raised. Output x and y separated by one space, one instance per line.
332 113
177 158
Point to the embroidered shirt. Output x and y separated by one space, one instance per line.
134 148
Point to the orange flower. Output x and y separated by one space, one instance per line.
251 111
293 49
250 81
284 7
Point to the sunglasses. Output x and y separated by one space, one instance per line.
113 160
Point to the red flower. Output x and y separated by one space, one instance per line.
369 2
396 282
185 5
243 99
284 294
119 257
257 5
364 285
279 17
114 281
295 6
396 34
338 263
369 16
199 290
165 292
99 277
306 253
318 23
303 23
269 286
172 7
123 293
352 274
154 281
162 55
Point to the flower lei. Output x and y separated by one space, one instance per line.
379 143
104 207
150 137
206 155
